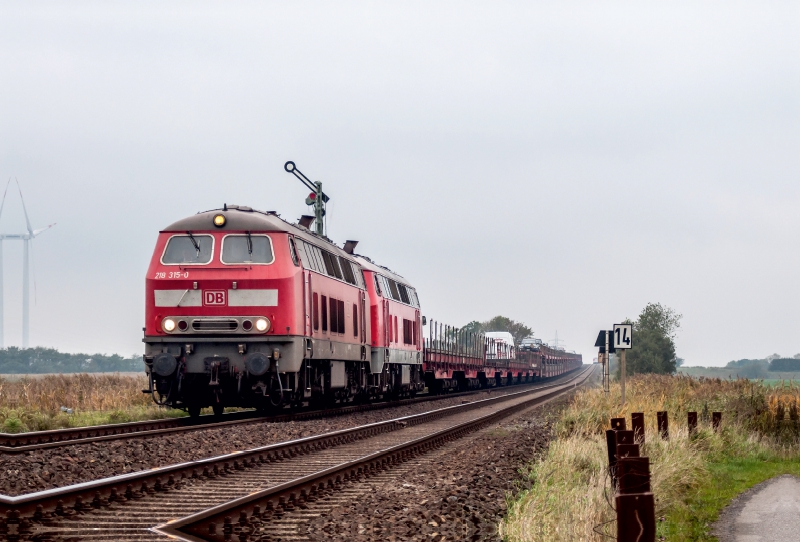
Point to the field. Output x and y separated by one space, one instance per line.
693 478
726 372
34 403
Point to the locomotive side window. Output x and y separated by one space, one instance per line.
254 249
378 285
397 291
393 289
337 271
403 294
327 269
324 314
330 264
326 263
293 250
188 250
315 311
347 271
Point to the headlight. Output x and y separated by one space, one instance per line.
219 220
168 325
262 324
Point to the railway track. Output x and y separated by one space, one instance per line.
264 483
37 440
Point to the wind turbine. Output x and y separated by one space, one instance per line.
27 239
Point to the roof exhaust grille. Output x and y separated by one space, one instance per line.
350 246
306 221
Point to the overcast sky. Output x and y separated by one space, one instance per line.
560 163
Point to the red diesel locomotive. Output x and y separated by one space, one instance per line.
245 309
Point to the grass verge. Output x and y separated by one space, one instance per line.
727 479
693 477
35 404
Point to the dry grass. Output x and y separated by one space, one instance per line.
31 404
571 497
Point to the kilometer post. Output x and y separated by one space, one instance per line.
623 339
622 374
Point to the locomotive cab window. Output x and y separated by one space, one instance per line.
188 250
251 249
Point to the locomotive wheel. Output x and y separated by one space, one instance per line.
218 409
194 411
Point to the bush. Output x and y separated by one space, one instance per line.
784 365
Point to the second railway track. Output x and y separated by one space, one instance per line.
38 440
269 480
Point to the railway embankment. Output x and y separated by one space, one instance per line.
50 468
274 490
694 476
459 492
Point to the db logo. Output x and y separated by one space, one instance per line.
215 297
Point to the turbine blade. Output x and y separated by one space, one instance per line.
4 196
34 233
28 222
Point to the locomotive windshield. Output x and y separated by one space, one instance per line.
247 249
188 249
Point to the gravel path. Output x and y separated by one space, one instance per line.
49 468
768 512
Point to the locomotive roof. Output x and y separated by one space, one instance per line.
369 265
241 218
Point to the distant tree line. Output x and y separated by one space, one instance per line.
760 368
40 360
518 330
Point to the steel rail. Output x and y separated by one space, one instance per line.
101 492
217 524
36 440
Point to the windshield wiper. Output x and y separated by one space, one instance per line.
194 242
249 245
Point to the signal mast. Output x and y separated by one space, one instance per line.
317 197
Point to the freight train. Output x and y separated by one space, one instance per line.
244 309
